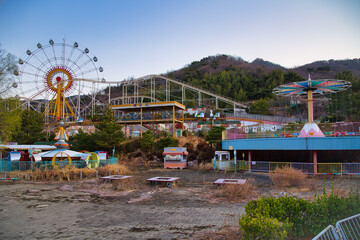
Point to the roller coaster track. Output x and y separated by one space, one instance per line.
178 82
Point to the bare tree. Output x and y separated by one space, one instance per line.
8 66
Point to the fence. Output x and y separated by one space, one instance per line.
346 229
307 168
9 166
292 130
265 117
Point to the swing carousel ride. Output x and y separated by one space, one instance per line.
311 88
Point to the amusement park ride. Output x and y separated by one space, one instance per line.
64 81
48 80
310 88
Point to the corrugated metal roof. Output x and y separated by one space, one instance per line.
68 152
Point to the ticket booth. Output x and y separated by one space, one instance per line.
222 160
175 157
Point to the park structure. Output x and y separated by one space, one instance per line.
58 156
308 149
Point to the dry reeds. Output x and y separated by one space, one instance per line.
69 174
287 177
202 166
128 184
226 233
237 192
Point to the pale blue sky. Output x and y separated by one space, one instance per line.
140 37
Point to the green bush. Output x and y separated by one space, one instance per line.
165 142
326 210
306 218
261 227
147 141
284 208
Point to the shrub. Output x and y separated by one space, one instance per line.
261 227
305 217
165 142
287 177
147 141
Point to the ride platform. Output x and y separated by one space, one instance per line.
115 178
168 181
234 181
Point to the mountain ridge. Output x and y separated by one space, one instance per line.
317 69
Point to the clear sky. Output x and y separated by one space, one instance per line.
140 37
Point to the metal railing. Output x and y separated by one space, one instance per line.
307 168
291 130
346 229
265 117
349 227
329 233
10 166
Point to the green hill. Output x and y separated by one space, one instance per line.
250 81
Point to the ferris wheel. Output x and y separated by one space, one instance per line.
59 79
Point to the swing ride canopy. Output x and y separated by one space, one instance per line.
318 87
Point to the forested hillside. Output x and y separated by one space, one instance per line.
247 82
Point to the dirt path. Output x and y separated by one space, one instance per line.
77 211
92 210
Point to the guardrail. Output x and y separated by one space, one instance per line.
329 233
346 229
10 166
349 227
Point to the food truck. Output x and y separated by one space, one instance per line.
175 157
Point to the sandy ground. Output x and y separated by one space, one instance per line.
91 209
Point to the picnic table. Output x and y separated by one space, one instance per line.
233 181
115 178
168 181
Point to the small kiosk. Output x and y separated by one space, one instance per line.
175 157
222 161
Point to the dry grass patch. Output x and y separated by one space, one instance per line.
193 140
69 174
238 192
128 184
226 233
202 167
114 169
287 177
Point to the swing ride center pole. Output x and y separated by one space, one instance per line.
310 106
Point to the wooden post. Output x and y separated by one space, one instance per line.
315 161
235 159
249 161
141 124
310 106
173 121
182 129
